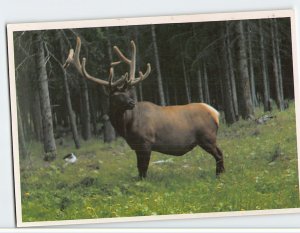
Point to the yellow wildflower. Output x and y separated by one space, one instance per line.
27 194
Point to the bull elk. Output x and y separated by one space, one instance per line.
146 127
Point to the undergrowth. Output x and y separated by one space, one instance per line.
261 173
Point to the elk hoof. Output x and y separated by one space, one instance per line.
219 171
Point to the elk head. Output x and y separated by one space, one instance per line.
120 91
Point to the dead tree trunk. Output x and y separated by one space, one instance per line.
175 94
251 67
247 107
140 87
230 116
109 133
36 114
199 76
231 72
279 58
186 83
157 63
276 65
21 137
93 105
199 85
267 105
206 88
71 113
85 111
48 135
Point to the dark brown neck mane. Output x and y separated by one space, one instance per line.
120 119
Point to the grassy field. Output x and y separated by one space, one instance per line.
261 173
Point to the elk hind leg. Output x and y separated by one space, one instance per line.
217 154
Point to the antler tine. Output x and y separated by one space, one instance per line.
73 57
111 77
121 56
131 62
119 81
142 76
125 76
125 82
76 55
69 59
90 77
111 74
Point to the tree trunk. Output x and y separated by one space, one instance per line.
199 85
21 137
166 88
85 111
206 88
247 107
199 76
230 116
36 115
157 63
276 65
267 105
71 113
109 133
279 58
48 135
140 88
136 37
175 94
231 72
93 105
186 83
251 68
222 101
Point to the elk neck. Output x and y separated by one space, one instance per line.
120 119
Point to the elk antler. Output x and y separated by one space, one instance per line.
132 63
73 58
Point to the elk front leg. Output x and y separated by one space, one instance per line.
143 159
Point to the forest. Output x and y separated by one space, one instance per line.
234 66
243 68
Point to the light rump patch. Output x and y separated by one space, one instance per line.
214 113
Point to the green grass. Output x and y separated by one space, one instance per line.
261 173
